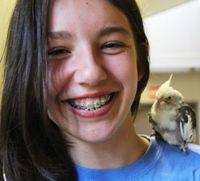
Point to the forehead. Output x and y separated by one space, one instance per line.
85 13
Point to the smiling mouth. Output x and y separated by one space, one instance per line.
91 104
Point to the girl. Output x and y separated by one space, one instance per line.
74 74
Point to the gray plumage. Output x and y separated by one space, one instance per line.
172 119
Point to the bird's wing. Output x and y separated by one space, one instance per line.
154 125
187 122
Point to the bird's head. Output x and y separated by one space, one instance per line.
167 95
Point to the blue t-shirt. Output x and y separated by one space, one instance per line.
161 162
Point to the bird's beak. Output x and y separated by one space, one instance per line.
161 101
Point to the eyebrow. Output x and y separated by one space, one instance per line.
114 29
59 35
104 32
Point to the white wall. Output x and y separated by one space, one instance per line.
174 37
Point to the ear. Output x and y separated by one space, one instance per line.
144 50
140 72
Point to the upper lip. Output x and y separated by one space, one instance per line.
90 95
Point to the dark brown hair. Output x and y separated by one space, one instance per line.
31 146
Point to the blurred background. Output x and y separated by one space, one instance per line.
173 30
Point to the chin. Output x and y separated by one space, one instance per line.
95 136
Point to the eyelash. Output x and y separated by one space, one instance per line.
113 48
107 48
58 52
113 45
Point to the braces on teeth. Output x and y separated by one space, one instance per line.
93 106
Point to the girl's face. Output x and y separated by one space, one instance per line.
92 69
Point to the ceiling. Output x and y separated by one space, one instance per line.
150 7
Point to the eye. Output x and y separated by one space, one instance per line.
169 97
114 47
58 53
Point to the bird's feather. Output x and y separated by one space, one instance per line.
187 122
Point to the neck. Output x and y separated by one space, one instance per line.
122 149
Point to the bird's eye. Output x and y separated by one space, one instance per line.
169 98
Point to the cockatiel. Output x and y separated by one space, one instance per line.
172 119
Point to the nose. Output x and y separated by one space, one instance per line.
91 70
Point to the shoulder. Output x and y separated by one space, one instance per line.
171 162
172 156
172 151
192 152
194 148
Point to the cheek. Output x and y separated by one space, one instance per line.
124 69
57 78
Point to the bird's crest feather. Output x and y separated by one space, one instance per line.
165 86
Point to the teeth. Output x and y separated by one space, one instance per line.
91 103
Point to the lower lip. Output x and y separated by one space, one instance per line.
95 113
